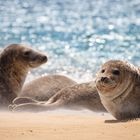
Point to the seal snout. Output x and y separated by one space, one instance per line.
104 79
40 57
44 58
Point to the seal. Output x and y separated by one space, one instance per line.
15 62
44 87
118 84
77 96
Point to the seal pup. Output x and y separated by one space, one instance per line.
78 96
15 62
118 84
44 87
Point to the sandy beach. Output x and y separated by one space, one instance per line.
65 125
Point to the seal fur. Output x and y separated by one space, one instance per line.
15 62
44 87
78 96
118 84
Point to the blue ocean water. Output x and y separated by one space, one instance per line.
77 35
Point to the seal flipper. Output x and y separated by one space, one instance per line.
35 107
22 100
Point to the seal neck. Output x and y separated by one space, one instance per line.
124 94
12 77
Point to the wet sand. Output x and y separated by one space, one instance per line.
65 125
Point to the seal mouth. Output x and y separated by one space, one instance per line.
41 59
36 61
103 83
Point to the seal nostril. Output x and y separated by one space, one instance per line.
104 79
44 58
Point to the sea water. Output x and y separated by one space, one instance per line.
77 35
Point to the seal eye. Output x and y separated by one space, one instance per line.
116 72
26 53
103 70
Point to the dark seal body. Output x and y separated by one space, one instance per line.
15 62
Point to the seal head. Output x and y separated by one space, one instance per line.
116 83
22 55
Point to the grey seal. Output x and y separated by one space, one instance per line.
15 62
